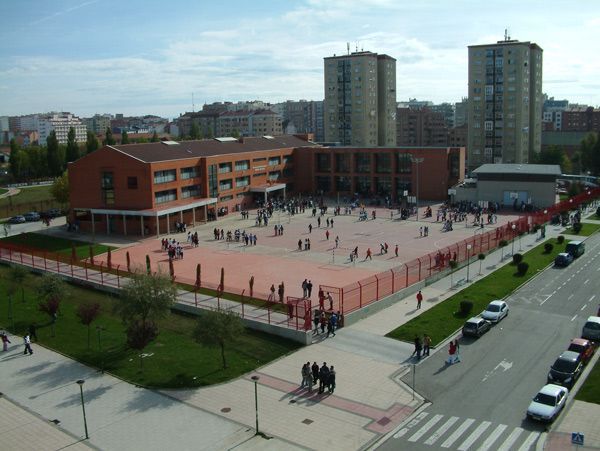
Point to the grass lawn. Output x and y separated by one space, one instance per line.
56 244
28 195
173 360
443 319
586 230
590 390
3 191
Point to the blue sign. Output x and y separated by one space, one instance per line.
577 438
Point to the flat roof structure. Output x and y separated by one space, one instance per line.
532 169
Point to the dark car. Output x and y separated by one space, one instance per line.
566 369
476 327
583 347
32 216
17 220
563 259
52 213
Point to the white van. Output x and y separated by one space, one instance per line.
591 329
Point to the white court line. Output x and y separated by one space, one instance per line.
530 440
592 298
586 281
421 432
547 297
493 437
510 441
584 307
573 319
474 436
461 429
441 431
570 297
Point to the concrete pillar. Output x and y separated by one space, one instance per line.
124 225
180 215
168 224
193 216
157 227
142 225
205 214
107 224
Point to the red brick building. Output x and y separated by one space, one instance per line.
143 189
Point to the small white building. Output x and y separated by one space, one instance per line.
61 123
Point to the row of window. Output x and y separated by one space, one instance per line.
161 197
170 175
363 162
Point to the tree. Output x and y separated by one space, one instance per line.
555 155
590 153
195 131
124 137
60 189
51 291
154 138
453 264
502 244
210 133
87 313
54 161
109 140
217 328
15 160
139 335
17 275
92 142
73 152
481 258
235 134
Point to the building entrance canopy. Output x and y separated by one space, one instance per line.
266 189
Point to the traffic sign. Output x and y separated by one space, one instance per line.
577 438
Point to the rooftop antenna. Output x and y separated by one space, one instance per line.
357 46
193 106
348 47
506 35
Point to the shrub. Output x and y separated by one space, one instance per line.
503 243
560 239
577 227
535 228
466 307
517 258
548 247
522 268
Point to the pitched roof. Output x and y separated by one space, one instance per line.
161 151
506 168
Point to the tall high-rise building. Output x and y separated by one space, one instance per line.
505 103
360 99
61 123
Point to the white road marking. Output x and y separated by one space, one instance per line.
474 436
584 307
493 437
461 429
510 441
586 281
401 433
573 319
529 441
570 297
441 431
503 364
592 298
547 297
421 432
416 420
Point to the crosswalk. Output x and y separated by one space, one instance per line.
465 434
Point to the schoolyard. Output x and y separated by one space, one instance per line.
276 258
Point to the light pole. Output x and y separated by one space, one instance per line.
468 260
100 329
513 227
80 382
10 313
255 379
417 161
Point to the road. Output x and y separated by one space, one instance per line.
480 403
34 226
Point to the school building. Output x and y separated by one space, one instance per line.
143 189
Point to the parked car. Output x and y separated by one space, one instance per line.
495 311
583 347
575 248
476 327
566 369
591 329
563 259
17 220
52 213
548 403
32 216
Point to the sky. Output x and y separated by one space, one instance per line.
151 56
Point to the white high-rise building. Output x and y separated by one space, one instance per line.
61 123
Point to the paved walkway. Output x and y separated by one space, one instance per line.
369 401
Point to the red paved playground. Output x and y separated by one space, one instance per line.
276 259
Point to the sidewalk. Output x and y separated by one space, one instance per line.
369 400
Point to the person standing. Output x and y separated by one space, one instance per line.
315 372
331 380
396 250
309 228
326 234
309 286
333 320
323 377
419 299
304 288
418 347
27 343
323 321
337 241
5 341
457 353
316 320
451 353
426 345
369 254
330 299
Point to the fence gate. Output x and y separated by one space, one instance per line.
299 313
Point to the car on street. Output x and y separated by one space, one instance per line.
563 259
591 329
52 213
548 403
17 220
476 327
575 248
32 216
583 347
495 311
566 369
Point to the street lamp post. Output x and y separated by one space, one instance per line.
468 260
255 379
80 382
513 227
417 161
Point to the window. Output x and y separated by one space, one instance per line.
489 125
323 162
242 165
132 182
160 197
108 188
362 162
212 180
190 191
169 175
403 163
274 161
383 163
225 185
224 168
226 198
242 181
274 176
259 160
189 173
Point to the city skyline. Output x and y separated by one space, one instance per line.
101 56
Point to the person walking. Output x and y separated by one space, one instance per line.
369 254
329 327
333 320
331 380
304 288
323 377
316 320
330 299
457 353
323 321
451 353
315 372
418 347
309 287
396 250
310 228
5 341
326 234
426 345
337 241
419 299
27 343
